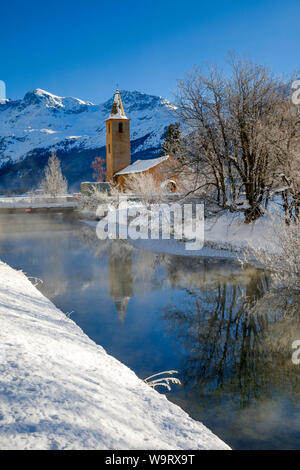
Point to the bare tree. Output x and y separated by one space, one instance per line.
95 198
231 143
98 166
146 186
54 183
287 154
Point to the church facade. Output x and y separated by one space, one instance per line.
118 152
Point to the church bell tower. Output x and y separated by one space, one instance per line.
118 153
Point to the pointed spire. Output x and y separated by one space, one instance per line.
117 110
121 306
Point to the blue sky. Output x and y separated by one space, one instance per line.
84 49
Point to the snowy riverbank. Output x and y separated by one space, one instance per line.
59 390
19 202
225 237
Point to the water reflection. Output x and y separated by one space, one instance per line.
120 277
237 365
223 328
230 343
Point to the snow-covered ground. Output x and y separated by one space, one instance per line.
229 232
37 201
59 390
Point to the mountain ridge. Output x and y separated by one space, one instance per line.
32 126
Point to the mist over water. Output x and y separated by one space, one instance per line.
221 327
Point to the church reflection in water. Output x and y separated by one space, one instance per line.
120 277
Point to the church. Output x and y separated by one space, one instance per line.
118 153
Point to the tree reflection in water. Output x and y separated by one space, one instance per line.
236 334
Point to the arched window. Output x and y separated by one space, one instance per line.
169 186
120 127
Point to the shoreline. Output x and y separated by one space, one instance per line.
60 390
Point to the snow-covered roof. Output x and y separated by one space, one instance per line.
142 165
117 110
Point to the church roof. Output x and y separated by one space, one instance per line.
117 110
142 165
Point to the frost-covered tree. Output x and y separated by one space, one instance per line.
281 257
95 198
54 183
239 125
289 178
146 186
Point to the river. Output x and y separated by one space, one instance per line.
219 325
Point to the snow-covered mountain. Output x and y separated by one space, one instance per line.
31 127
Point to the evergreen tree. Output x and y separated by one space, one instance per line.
173 145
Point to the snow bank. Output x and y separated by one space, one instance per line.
232 233
59 390
37 201
225 236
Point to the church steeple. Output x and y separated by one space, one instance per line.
118 152
117 110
